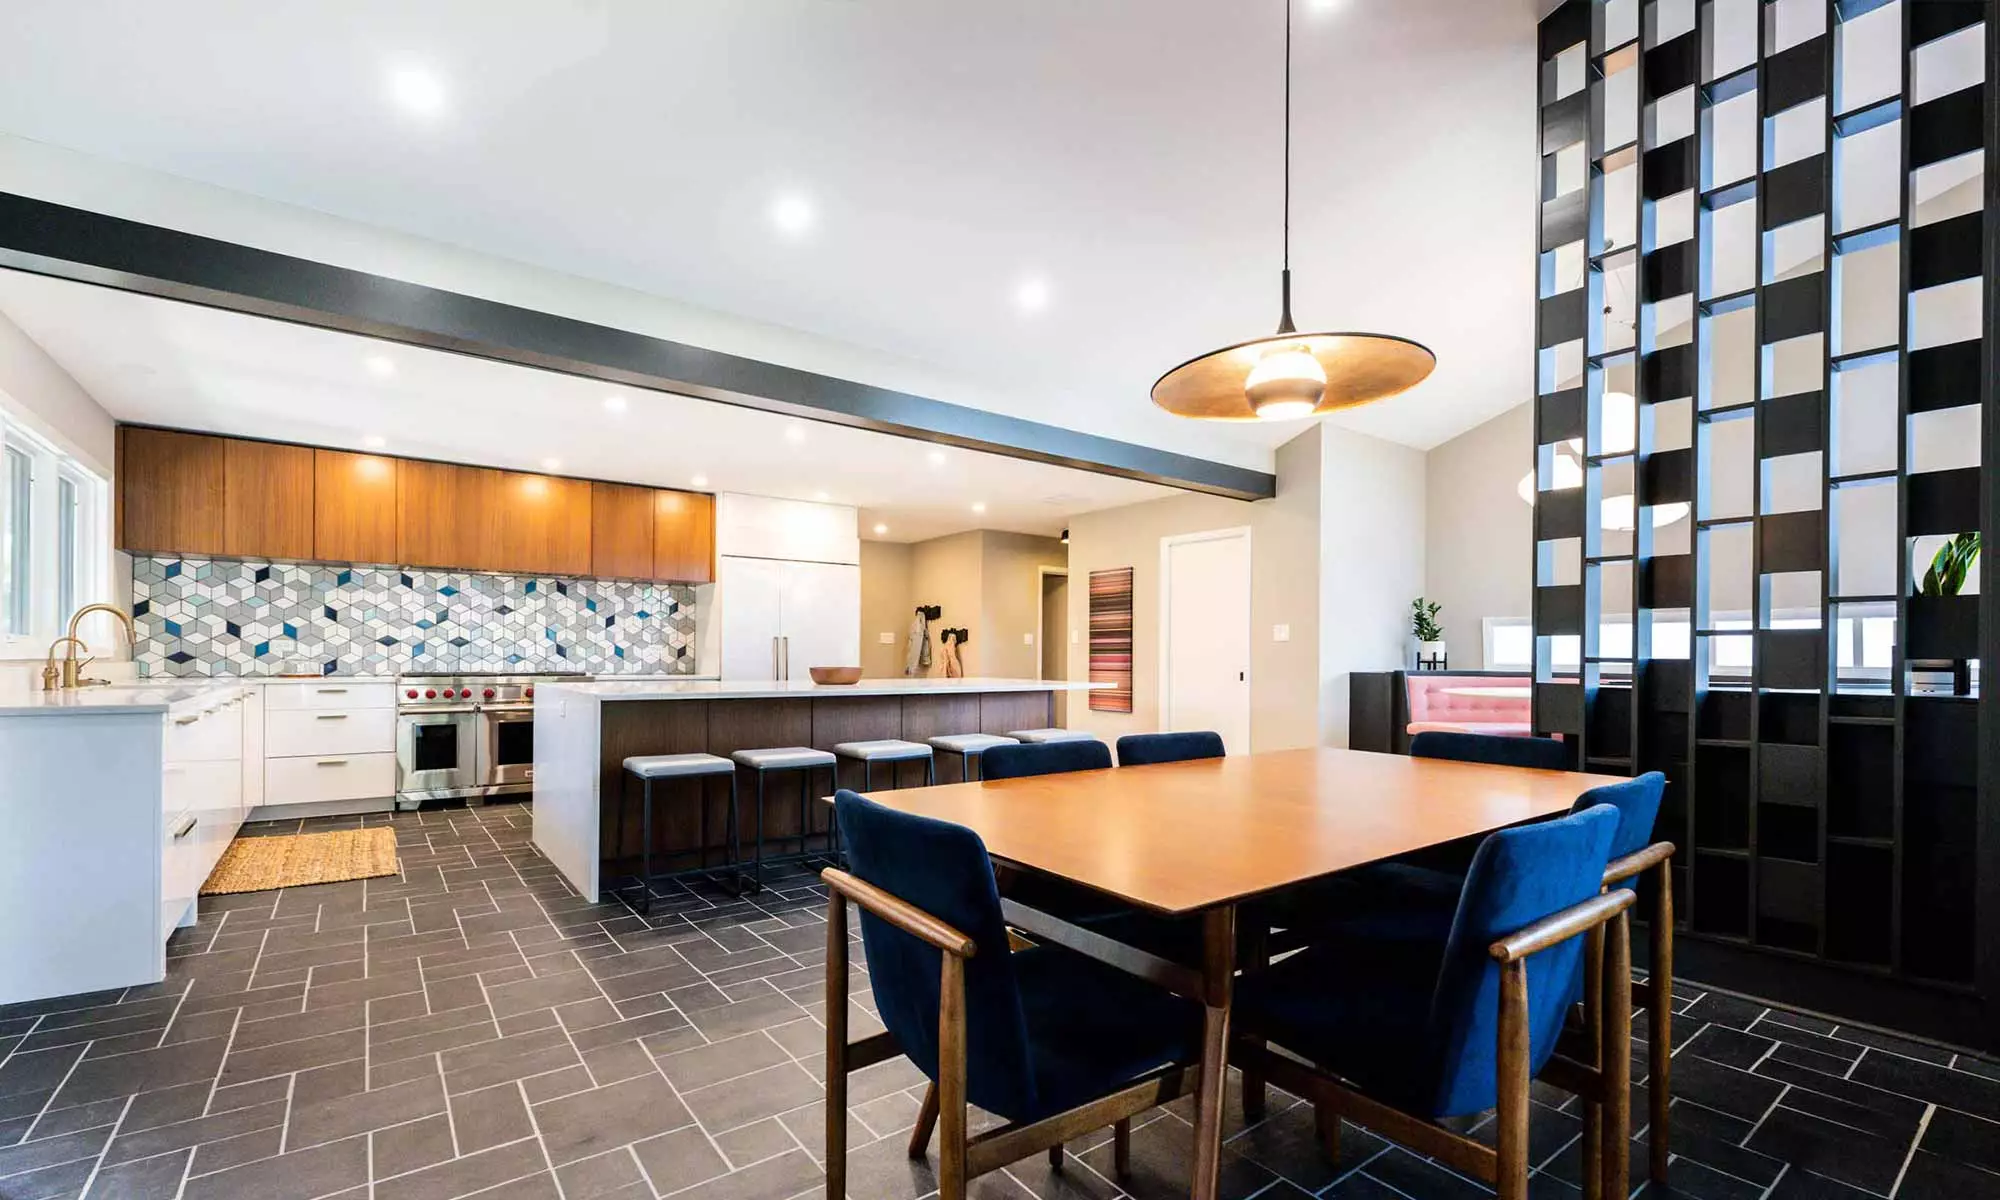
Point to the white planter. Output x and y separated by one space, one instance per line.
1430 651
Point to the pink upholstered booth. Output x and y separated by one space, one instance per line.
1433 708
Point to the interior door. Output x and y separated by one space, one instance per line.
822 616
750 603
1205 625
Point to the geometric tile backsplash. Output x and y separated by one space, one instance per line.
202 617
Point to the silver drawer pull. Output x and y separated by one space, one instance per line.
331 717
184 828
331 691
331 762
186 720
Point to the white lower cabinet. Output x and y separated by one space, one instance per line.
326 778
331 743
201 798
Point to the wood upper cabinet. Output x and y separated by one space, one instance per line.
170 492
621 531
267 494
354 507
545 524
447 516
684 537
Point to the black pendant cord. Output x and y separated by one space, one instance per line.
1285 279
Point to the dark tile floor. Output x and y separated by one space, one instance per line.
472 1028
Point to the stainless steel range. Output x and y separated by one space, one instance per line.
466 736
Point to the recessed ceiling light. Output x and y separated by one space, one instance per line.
552 464
979 506
614 404
936 458
880 529
374 441
380 365
795 433
417 91
1032 295
793 215
822 497
699 481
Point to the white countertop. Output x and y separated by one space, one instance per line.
152 697
749 689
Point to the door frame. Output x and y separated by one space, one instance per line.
1165 676
1041 632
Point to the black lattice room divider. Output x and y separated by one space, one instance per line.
1769 223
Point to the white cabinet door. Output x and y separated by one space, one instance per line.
253 747
822 617
750 603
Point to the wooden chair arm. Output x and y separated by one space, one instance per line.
1562 926
900 913
1638 863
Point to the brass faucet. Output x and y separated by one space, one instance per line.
70 666
50 673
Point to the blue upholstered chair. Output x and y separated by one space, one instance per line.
1044 758
1143 749
1444 1026
1547 754
1027 1035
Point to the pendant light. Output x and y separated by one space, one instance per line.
1291 375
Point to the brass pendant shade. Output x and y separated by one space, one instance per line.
1292 375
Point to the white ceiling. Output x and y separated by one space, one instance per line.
161 362
1126 151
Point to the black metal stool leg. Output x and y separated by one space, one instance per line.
805 811
618 843
833 828
646 850
757 880
930 771
735 841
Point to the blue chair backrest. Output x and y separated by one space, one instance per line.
944 870
1546 753
1638 805
1140 749
1518 877
1043 758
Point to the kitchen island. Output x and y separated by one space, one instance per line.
585 731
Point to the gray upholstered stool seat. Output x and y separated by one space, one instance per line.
971 743
677 766
1042 736
883 750
783 758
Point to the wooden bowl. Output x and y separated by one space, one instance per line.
836 674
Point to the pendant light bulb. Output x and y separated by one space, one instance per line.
1286 384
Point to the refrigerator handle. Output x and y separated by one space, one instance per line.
788 657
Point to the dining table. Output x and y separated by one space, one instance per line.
1200 839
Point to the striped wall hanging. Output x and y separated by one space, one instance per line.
1111 639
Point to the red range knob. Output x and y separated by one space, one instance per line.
430 693
465 693
488 693
412 693
531 693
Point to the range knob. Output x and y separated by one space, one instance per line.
430 693
488 693
412 693
530 693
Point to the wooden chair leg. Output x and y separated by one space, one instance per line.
836 1045
1511 1075
1660 1034
1616 1057
1593 1031
1121 1148
1327 1122
927 1115
951 1079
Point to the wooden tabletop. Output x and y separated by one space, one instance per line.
1182 837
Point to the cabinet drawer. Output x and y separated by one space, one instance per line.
329 777
212 733
300 732
331 694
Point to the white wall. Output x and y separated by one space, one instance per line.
1371 562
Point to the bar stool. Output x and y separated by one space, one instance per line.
1037 737
803 759
648 768
969 747
885 750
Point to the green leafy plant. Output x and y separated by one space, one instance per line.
1423 621
1952 563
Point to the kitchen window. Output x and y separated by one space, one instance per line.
55 543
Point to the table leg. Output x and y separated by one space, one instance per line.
1218 970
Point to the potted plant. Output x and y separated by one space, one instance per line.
1428 633
1943 623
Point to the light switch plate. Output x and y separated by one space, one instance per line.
1027 639
1074 636
886 639
1281 633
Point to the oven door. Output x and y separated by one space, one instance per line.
436 754
507 746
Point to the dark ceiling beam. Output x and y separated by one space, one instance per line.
89 247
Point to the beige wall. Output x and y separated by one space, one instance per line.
885 607
1478 533
1284 589
1011 587
946 572
1371 554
